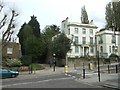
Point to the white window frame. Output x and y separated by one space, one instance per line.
76 30
83 30
76 49
9 50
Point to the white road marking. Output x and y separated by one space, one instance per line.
35 82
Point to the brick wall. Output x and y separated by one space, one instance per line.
15 50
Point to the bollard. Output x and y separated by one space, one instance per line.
66 68
54 68
83 70
74 67
83 73
108 69
91 66
116 69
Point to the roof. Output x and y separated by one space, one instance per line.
82 25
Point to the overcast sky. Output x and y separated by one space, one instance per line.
50 12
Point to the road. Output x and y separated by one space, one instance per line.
48 81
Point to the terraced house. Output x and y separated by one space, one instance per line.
83 37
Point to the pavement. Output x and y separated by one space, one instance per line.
110 80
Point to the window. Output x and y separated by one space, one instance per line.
84 31
69 31
92 49
76 39
91 40
101 40
110 49
91 31
84 40
113 48
101 49
113 39
64 25
76 30
76 49
9 50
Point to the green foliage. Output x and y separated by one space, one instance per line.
11 62
84 16
26 60
47 35
61 45
35 47
24 33
35 26
112 15
113 55
31 44
36 66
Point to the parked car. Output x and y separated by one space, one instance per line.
7 73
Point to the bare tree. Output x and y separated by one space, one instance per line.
6 22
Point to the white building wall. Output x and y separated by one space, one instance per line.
118 44
107 42
71 26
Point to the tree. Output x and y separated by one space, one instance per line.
35 26
84 16
112 15
47 35
32 47
6 22
24 33
61 45
35 47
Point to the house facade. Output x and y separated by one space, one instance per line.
107 43
11 50
82 36
119 44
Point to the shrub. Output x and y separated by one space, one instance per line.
26 60
113 55
11 62
37 66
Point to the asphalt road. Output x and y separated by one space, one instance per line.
49 81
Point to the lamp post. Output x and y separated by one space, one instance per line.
54 62
98 66
97 56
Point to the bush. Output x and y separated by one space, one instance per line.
113 55
26 60
11 62
106 60
36 66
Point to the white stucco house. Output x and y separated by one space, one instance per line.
119 44
83 37
108 42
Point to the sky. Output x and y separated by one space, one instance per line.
50 12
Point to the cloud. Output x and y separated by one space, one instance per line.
54 11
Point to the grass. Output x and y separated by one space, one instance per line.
37 66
